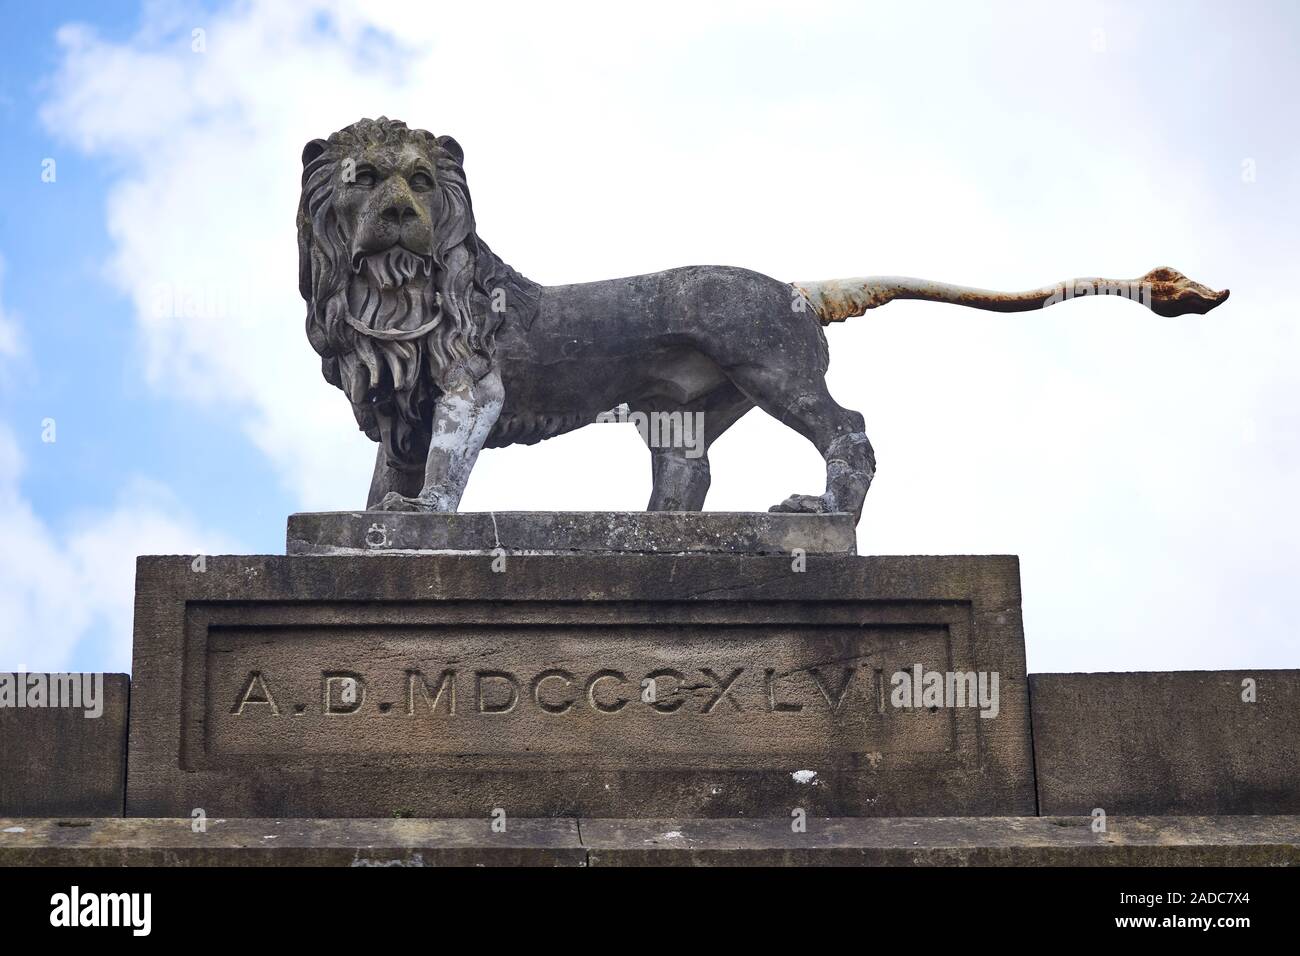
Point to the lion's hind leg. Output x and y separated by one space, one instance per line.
803 402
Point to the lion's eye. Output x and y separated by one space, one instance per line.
364 177
421 181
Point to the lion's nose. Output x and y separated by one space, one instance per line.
399 212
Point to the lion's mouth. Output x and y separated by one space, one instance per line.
393 266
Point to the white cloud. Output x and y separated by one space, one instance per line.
1143 468
42 619
10 338
60 590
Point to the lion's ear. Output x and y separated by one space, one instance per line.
312 151
453 147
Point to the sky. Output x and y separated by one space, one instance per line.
158 394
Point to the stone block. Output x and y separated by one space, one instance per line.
647 685
950 841
254 842
67 755
1168 742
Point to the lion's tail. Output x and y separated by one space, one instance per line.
1165 291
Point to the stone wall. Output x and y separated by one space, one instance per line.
63 751
1180 742
1173 743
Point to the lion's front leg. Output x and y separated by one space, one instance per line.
462 420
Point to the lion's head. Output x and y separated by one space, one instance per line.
399 288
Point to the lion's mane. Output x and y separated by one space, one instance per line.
392 383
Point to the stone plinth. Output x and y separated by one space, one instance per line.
607 686
570 532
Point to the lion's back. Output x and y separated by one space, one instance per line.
739 313
684 301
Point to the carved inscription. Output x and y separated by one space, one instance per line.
639 690
606 691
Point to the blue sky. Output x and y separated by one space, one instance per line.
1144 469
83 369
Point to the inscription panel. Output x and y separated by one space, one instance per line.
620 686
651 693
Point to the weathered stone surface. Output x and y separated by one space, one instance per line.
571 532
58 760
1169 742
953 841
933 841
323 686
254 842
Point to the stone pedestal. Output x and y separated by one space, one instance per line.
570 532
616 685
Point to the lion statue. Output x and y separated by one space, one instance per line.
443 349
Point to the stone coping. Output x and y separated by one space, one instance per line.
898 841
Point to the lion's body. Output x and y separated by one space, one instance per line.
658 342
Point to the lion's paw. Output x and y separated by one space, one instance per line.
804 504
395 502
425 502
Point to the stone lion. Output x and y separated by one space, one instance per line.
443 349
